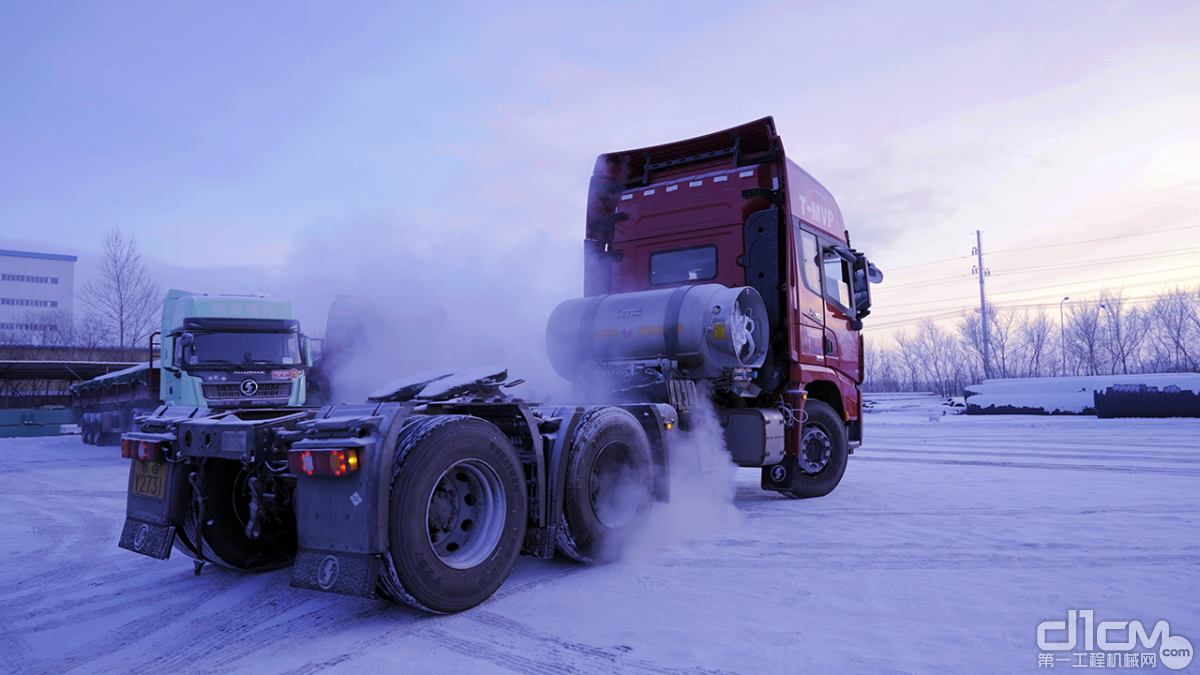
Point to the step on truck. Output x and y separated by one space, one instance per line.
718 273
218 351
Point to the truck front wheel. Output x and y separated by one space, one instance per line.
823 452
609 486
458 513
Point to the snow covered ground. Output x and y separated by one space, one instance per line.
949 540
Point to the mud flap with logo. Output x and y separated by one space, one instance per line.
150 521
343 573
781 476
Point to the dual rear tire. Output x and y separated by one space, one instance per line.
458 513
459 505
609 491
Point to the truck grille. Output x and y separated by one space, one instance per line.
229 392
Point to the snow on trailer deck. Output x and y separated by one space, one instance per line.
949 540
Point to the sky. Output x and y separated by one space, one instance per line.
442 153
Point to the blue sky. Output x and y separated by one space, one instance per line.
309 149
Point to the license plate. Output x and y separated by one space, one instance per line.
149 479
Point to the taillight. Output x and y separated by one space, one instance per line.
127 447
143 450
322 462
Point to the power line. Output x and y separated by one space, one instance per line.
1085 241
934 262
920 284
903 319
1092 281
1043 222
1140 256
1093 213
1072 283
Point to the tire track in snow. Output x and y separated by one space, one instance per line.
819 560
507 643
420 623
1189 473
267 619
1129 453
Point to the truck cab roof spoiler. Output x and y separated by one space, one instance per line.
748 144
744 145
248 325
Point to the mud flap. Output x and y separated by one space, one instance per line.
150 523
147 539
780 477
342 573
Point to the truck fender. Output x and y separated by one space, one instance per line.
387 459
659 421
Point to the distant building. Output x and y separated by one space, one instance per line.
35 290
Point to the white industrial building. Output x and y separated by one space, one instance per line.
35 290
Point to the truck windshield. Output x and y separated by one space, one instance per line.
240 348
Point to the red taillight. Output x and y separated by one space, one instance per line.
127 447
331 462
145 450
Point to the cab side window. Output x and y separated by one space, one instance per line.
837 279
810 260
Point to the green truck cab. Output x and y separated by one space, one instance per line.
218 351
222 351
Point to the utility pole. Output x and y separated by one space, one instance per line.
987 367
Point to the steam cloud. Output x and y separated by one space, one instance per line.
702 490
431 297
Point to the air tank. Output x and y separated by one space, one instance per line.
707 328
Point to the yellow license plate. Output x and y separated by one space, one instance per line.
149 479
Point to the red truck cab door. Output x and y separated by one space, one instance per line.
824 307
808 301
842 344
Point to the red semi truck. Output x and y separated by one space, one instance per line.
718 274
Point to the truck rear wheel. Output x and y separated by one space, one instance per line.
610 476
823 452
227 495
458 513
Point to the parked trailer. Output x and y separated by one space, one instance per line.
717 275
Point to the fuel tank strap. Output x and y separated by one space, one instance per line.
585 325
671 322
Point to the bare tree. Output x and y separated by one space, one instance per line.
970 328
943 357
1176 330
1084 339
1127 330
122 297
1036 333
910 358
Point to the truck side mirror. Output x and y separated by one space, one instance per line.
185 343
861 273
305 350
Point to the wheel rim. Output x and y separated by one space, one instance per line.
815 450
465 514
612 486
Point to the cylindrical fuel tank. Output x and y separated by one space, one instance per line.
707 328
